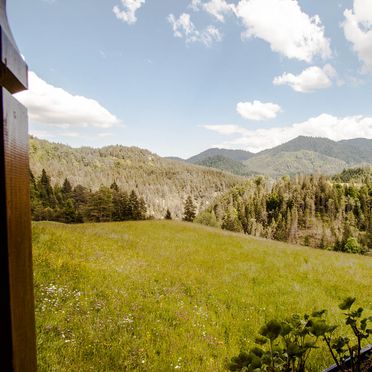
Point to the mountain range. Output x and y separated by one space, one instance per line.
300 155
165 183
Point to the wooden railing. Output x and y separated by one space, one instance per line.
17 320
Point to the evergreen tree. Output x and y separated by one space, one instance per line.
189 210
135 213
114 186
120 206
142 209
45 190
99 206
69 212
66 188
168 215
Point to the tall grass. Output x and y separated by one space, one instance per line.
162 296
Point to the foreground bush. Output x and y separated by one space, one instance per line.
286 345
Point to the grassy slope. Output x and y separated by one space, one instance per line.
155 295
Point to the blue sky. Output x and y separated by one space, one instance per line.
177 77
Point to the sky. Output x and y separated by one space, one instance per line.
178 77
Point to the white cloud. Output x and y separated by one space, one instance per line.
257 110
287 29
195 5
218 8
358 30
226 129
312 78
184 28
324 125
128 14
48 104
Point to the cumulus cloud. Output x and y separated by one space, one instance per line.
358 30
48 104
324 125
217 8
287 29
184 28
127 13
257 110
312 78
195 5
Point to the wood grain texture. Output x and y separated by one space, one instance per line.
17 328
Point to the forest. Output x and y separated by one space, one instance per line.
63 203
312 210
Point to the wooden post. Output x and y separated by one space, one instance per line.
17 322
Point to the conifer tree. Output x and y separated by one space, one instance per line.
114 186
168 215
66 188
189 210
134 206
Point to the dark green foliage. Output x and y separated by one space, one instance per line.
78 204
189 210
286 345
311 210
355 175
168 215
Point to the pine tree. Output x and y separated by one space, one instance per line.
46 191
189 210
66 188
69 212
168 215
120 206
114 186
142 209
99 206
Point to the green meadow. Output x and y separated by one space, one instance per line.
165 295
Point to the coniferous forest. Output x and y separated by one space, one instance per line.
313 210
64 203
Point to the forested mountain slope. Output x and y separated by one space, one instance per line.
303 155
354 151
295 162
163 183
237 155
311 210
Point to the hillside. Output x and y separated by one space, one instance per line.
237 155
163 183
160 296
352 151
295 162
312 210
226 164
301 155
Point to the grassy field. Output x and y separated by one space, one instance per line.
163 296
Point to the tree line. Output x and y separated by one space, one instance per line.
310 210
64 203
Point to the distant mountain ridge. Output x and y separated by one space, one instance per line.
300 155
238 155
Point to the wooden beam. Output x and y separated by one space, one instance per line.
17 323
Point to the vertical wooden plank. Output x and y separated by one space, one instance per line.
17 335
